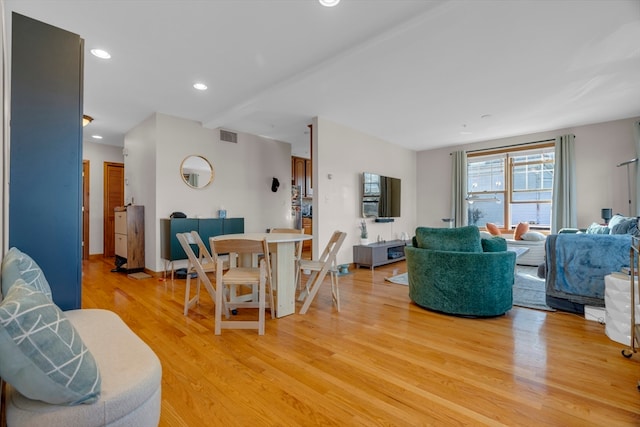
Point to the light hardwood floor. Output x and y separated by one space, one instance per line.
381 361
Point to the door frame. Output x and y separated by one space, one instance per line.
85 209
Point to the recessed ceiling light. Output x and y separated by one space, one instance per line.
96 137
200 86
329 3
102 54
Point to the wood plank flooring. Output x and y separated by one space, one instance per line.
380 361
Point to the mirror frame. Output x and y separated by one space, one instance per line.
185 178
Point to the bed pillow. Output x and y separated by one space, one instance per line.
41 353
615 220
18 265
595 228
626 226
533 236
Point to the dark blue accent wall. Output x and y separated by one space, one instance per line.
45 183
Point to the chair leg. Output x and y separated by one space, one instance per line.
311 293
218 309
305 292
335 289
261 305
271 299
187 295
297 278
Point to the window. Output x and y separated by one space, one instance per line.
511 186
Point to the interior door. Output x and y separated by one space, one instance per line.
113 197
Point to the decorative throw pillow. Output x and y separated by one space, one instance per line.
493 229
41 353
533 236
494 244
460 239
521 228
18 265
625 226
595 228
615 220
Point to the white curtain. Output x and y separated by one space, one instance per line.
636 135
459 188
564 213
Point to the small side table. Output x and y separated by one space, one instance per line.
617 297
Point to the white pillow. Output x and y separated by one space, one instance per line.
615 220
485 235
533 236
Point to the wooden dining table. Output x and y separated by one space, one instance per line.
283 269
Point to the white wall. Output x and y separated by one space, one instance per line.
242 184
599 148
344 154
97 154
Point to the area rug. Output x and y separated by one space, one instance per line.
528 289
139 275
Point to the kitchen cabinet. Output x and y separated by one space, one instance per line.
307 224
301 175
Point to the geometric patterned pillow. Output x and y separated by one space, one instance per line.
41 353
18 265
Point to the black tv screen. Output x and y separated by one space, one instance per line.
380 196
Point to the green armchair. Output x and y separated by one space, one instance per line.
454 271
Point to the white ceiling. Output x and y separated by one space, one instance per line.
420 74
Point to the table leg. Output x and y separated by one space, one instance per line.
284 277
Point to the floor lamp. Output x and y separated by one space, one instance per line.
627 163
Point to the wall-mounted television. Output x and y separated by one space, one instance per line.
380 196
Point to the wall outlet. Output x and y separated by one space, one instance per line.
596 314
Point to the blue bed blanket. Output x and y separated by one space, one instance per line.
577 264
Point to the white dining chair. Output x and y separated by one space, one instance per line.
319 269
237 276
202 269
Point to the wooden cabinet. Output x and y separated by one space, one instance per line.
301 175
376 254
307 224
129 237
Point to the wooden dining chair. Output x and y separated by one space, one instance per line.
298 250
208 265
202 265
237 276
319 269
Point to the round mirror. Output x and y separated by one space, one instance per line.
196 171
